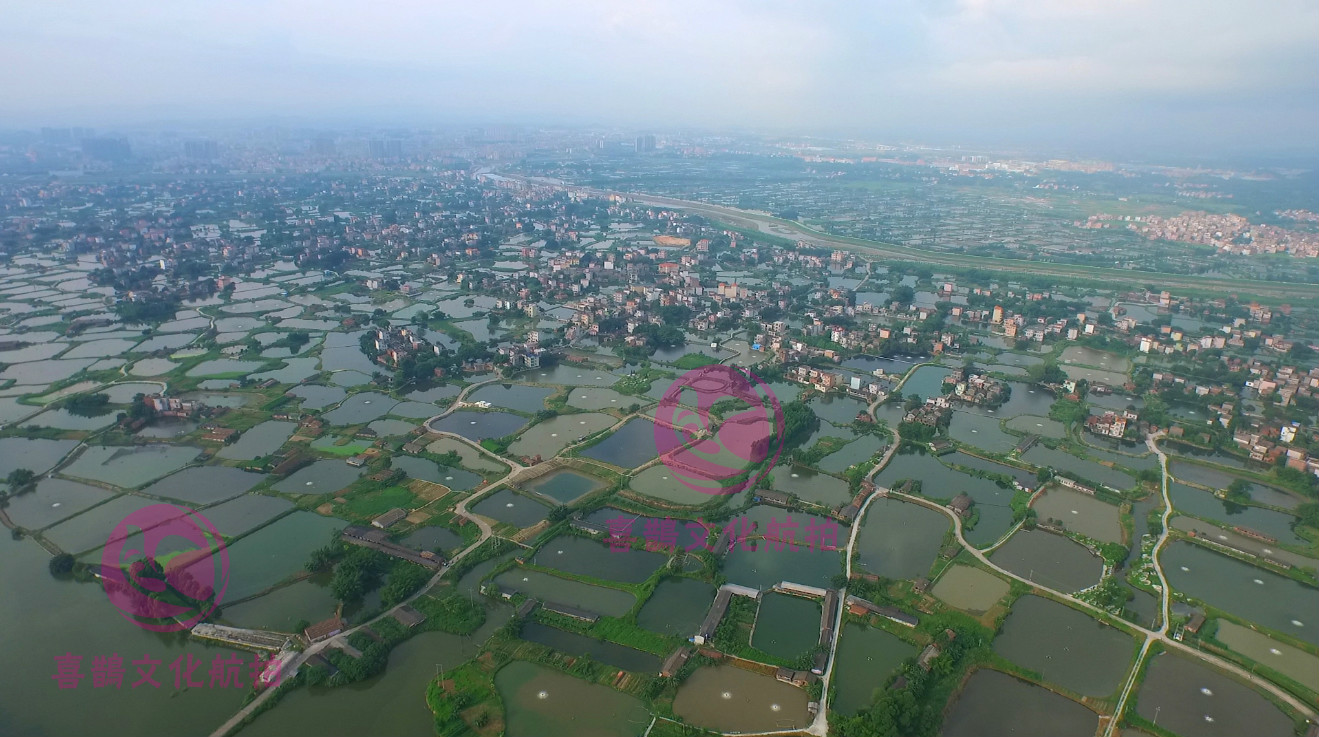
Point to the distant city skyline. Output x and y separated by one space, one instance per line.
1115 77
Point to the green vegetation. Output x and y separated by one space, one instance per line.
799 423
156 309
404 581
88 405
1238 491
20 480
916 710
375 503
1069 411
823 447
694 361
348 448
61 564
452 613
614 629
1110 595
357 572
1045 373
733 636
639 383
467 687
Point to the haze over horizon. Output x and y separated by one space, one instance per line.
1186 78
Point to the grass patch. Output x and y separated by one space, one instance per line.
374 503
452 613
350 448
694 361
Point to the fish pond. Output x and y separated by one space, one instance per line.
969 589
583 557
728 699
542 702
1065 646
1194 700
786 626
1239 588
677 606
320 477
565 486
866 658
900 539
628 447
599 599
994 704
512 509
1049 559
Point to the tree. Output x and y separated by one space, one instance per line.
1309 514
1045 373
799 422
61 564
1238 491
88 405
20 479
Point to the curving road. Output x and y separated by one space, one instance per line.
292 666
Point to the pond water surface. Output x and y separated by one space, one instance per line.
1050 559
729 699
1065 646
1194 700
542 702
994 704
866 658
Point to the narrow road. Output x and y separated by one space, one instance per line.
1165 592
292 666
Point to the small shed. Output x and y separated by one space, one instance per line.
409 617
324 630
389 519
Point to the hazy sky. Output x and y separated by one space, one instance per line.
1229 73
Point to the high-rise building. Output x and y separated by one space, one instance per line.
56 135
386 148
201 150
645 143
106 149
323 146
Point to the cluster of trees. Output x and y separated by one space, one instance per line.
1111 594
357 573
294 341
375 655
139 279
799 423
1069 411
20 480
916 709
421 365
154 309
1045 373
1238 491
88 405
404 581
